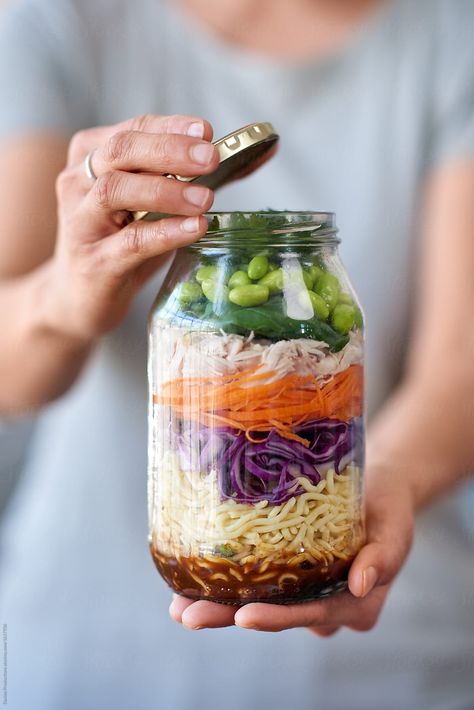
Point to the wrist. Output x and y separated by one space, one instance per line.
46 313
413 440
386 478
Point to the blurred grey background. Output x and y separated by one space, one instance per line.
14 438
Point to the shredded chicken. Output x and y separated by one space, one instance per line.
198 354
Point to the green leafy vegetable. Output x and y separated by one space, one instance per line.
270 321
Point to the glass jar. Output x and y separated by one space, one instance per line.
256 432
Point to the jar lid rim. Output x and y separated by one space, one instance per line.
237 219
323 215
313 224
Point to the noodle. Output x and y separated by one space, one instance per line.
323 523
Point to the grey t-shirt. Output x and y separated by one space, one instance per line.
86 611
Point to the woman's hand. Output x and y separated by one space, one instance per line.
100 262
389 522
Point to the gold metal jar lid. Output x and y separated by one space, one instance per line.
241 152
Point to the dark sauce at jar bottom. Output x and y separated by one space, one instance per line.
278 583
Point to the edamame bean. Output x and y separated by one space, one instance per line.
189 291
342 318
358 318
320 307
239 278
207 272
251 295
327 286
345 298
273 281
258 267
214 291
315 272
308 281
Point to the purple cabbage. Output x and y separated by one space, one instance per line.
199 448
265 471
334 442
249 472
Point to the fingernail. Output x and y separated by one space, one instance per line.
245 624
196 130
191 628
196 195
190 225
369 580
202 153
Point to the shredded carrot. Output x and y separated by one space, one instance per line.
244 403
283 432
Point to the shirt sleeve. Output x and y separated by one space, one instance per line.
452 134
47 74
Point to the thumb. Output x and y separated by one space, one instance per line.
389 537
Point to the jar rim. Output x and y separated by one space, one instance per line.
309 226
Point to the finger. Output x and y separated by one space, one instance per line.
177 123
204 614
92 138
272 617
140 241
158 153
341 610
177 607
376 564
118 190
389 536
369 609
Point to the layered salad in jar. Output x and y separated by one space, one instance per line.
256 426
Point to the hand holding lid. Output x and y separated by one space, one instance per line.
241 152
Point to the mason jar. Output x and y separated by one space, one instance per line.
256 414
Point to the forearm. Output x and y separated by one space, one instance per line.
37 362
424 435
